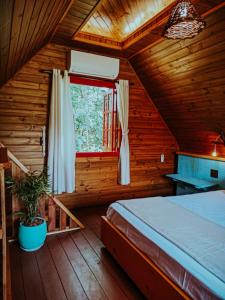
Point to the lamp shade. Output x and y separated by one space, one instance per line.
184 21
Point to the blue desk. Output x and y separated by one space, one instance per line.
192 182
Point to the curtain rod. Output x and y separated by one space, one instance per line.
50 73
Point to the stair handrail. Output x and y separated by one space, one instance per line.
56 201
15 160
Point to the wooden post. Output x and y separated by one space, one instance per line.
16 206
62 219
5 277
4 258
42 209
51 215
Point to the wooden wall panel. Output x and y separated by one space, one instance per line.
186 82
24 102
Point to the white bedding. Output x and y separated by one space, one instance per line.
184 235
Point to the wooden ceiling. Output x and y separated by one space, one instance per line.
27 25
117 19
186 81
77 15
103 30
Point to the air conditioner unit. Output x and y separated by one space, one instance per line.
87 64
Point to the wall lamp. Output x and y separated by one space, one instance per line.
220 140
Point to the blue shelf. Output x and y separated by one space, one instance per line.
193 181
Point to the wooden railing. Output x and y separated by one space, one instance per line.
6 278
58 217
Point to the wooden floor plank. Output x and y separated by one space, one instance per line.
49 275
72 286
16 273
71 266
123 281
33 285
87 278
106 280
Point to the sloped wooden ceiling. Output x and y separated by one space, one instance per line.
103 30
117 19
77 15
186 80
27 25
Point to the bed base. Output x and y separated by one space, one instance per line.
153 283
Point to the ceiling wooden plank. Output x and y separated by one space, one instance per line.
152 39
26 25
27 13
31 28
77 15
5 35
117 13
185 80
125 17
38 32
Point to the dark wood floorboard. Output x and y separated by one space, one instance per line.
72 265
32 284
89 282
17 278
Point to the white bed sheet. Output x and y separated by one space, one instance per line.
197 281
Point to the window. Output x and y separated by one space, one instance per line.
95 115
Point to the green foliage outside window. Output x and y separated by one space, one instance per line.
88 116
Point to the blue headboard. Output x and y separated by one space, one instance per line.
201 166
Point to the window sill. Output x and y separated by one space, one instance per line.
98 154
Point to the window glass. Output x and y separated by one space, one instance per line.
88 106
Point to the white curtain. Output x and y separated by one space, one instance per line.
123 110
61 143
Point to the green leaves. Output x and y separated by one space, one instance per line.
88 114
29 191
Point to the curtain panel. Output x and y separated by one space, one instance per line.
123 111
61 141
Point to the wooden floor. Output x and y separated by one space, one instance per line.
71 266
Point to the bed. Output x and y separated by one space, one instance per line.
172 247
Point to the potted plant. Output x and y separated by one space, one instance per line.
29 190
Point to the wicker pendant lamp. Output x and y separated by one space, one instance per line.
184 21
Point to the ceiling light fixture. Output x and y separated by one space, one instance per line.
184 21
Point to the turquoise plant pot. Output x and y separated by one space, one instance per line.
31 238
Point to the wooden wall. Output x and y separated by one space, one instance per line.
186 82
24 102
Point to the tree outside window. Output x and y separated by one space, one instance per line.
95 115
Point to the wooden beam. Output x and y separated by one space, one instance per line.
215 8
98 40
87 18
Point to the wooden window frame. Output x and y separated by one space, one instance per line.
74 79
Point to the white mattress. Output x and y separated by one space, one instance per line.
198 280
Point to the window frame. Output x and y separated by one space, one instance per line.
74 79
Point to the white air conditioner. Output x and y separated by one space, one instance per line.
87 64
